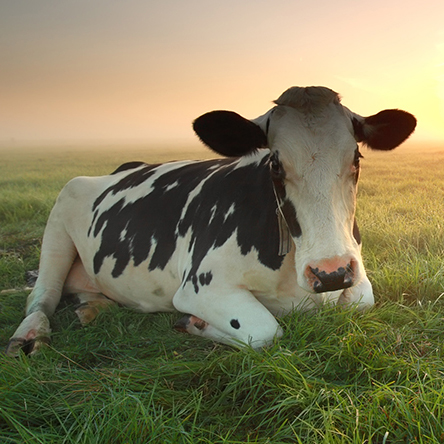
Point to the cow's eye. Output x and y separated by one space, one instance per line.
358 156
276 167
356 165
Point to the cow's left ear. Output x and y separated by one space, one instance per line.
385 130
229 134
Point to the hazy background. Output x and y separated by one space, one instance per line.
142 70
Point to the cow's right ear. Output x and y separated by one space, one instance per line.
229 134
385 130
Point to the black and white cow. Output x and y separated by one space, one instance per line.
232 242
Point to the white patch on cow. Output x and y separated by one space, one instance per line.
213 212
229 212
124 234
140 191
171 186
253 159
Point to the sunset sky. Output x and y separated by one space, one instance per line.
144 69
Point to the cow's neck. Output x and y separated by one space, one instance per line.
285 240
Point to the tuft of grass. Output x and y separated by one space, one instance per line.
337 376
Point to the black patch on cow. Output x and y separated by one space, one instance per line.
95 214
356 233
231 200
205 278
287 208
357 164
235 324
194 281
289 212
128 166
229 134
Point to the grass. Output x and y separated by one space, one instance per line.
336 376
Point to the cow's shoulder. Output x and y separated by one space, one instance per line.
80 187
128 166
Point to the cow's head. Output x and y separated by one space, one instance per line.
314 166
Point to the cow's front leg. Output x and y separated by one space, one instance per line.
229 315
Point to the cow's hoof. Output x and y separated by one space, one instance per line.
90 305
189 324
30 336
86 313
28 347
14 346
182 324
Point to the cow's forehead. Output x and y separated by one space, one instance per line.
309 100
311 111
327 132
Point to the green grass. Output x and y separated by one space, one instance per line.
336 376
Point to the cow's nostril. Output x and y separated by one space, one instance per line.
339 279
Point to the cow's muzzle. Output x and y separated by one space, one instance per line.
331 275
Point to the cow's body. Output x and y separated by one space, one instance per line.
200 217
208 238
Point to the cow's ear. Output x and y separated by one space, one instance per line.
385 130
229 134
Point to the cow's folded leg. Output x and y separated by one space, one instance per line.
90 304
31 335
234 317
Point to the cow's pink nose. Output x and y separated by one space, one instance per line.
331 274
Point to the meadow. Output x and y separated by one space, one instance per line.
336 376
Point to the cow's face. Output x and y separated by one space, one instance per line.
314 167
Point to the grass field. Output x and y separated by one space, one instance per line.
336 376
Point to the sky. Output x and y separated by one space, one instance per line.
143 70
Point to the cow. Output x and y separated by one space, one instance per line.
231 243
